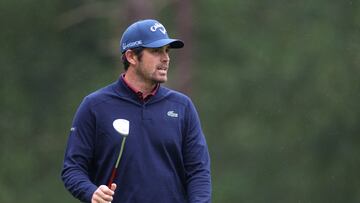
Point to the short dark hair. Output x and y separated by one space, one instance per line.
137 51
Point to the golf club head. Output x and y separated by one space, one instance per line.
122 126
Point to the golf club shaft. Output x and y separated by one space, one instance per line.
113 173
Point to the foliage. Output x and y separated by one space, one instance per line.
276 85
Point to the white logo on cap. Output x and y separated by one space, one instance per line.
132 44
158 26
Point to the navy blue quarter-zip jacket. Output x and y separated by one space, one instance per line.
165 158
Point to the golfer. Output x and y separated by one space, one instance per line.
165 158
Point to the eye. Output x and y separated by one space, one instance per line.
155 50
160 50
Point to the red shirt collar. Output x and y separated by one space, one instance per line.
141 95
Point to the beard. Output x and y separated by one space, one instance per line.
153 76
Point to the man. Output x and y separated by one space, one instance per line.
165 159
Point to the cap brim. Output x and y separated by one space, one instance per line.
174 43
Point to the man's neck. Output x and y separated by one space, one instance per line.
138 84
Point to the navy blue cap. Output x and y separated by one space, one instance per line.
147 33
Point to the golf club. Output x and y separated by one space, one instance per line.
122 126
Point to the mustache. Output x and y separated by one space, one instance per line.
162 67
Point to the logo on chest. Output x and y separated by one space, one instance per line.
172 114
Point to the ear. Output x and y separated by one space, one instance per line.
131 57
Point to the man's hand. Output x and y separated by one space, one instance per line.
103 194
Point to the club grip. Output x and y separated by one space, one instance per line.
111 180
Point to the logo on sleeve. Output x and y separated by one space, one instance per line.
172 114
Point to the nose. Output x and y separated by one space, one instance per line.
165 56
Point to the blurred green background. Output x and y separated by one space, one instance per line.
276 84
